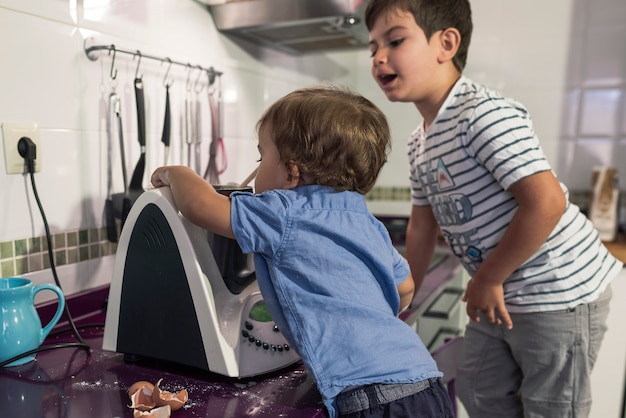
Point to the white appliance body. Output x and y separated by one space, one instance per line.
168 300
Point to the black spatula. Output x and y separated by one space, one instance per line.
108 206
165 138
137 178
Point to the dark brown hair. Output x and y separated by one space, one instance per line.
336 137
431 16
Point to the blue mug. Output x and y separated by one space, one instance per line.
21 326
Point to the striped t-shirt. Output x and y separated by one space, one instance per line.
478 146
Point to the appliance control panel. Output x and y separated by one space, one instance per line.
260 339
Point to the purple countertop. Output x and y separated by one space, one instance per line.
75 383
70 382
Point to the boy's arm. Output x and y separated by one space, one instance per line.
196 199
406 290
541 204
421 236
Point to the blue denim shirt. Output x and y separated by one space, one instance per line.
328 273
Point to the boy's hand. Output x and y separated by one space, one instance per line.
159 177
489 299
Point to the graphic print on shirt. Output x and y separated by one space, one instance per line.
450 209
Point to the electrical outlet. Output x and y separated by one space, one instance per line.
11 134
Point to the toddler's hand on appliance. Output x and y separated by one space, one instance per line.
487 298
159 177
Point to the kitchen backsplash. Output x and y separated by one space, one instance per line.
29 255
389 193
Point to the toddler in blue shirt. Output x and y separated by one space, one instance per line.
327 270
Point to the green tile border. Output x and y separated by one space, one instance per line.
27 255
578 197
389 193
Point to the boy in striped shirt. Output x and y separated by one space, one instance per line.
540 290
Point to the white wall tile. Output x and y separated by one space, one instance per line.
606 13
70 187
59 10
137 20
38 77
605 56
578 158
600 110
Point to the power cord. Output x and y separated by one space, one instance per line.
28 150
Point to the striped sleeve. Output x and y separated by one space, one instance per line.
500 137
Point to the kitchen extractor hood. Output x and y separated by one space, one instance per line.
294 26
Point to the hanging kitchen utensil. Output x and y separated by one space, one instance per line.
121 201
109 208
211 173
165 137
137 178
182 132
189 125
198 135
216 147
198 123
126 201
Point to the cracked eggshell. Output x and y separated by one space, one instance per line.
140 394
160 412
138 385
175 400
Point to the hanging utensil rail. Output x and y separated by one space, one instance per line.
92 50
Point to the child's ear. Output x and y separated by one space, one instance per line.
449 41
293 175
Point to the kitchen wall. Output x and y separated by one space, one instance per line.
563 59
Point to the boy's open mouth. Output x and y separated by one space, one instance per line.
385 79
